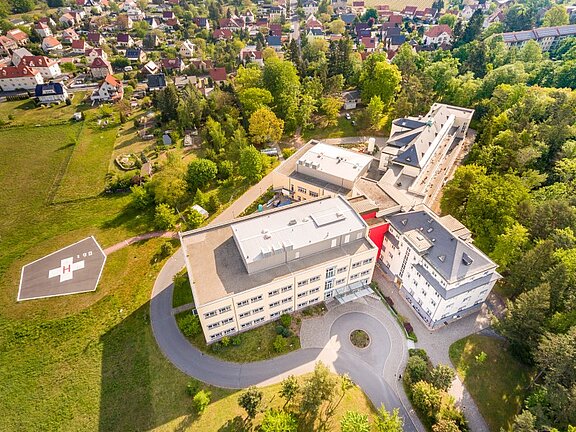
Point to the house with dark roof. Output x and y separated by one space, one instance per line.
547 37
222 34
351 99
135 55
202 23
172 65
274 42
156 81
50 93
124 40
95 38
100 68
218 75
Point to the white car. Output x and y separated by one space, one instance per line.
347 115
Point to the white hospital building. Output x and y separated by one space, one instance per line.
251 270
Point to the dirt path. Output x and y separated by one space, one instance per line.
131 240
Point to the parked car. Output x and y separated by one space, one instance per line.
347 115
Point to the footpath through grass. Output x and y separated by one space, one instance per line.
497 384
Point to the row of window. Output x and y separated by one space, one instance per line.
220 311
219 323
361 263
280 290
223 333
309 302
251 323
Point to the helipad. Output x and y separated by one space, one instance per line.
74 269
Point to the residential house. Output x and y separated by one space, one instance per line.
351 99
135 55
202 23
50 43
251 55
48 68
222 34
156 81
494 18
277 262
124 40
124 22
275 42
109 90
234 24
310 7
409 11
468 10
50 93
172 65
438 35
42 29
18 36
69 35
151 41
218 75
275 29
152 22
186 49
201 65
100 68
312 22
67 20
19 77
149 68
7 45
95 38
93 53
358 6
369 44
19 54
80 46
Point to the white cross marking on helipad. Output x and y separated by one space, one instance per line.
66 269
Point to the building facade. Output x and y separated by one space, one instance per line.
250 271
547 37
438 270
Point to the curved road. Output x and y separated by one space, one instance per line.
366 367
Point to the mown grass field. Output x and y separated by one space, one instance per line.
498 384
25 112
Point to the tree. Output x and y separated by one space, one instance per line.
354 421
168 186
254 98
193 218
201 400
556 16
388 422
278 421
524 321
318 388
510 245
22 6
215 136
379 78
426 397
200 172
265 127
375 113
445 425
281 79
250 401
290 388
251 164
167 102
448 19
330 107
416 369
473 27
165 217
524 422
248 77
518 17
141 198
337 26
280 344
441 377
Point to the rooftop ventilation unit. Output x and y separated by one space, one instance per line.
430 220
430 230
442 258
267 236
466 259
292 222
404 221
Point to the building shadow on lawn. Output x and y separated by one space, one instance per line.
140 389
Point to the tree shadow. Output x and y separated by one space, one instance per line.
132 218
234 425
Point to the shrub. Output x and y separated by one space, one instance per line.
225 341
287 152
193 387
286 320
201 401
416 369
279 329
280 344
189 325
236 340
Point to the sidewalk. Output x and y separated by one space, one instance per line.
437 342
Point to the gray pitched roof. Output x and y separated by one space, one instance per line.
451 257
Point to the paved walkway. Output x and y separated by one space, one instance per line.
437 342
325 339
147 236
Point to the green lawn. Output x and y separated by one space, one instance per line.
25 112
86 172
344 128
498 384
182 292
256 344
224 410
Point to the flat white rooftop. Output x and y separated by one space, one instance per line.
295 227
335 161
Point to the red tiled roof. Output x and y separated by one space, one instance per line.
79 44
222 33
99 62
110 79
50 41
37 61
369 42
19 71
218 74
171 63
17 35
436 31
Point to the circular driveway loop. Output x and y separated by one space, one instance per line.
370 368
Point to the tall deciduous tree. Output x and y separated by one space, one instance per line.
251 164
353 421
556 16
379 78
388 422
254 98
200 172
250 401
510 245
265 127
281 79
167 102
